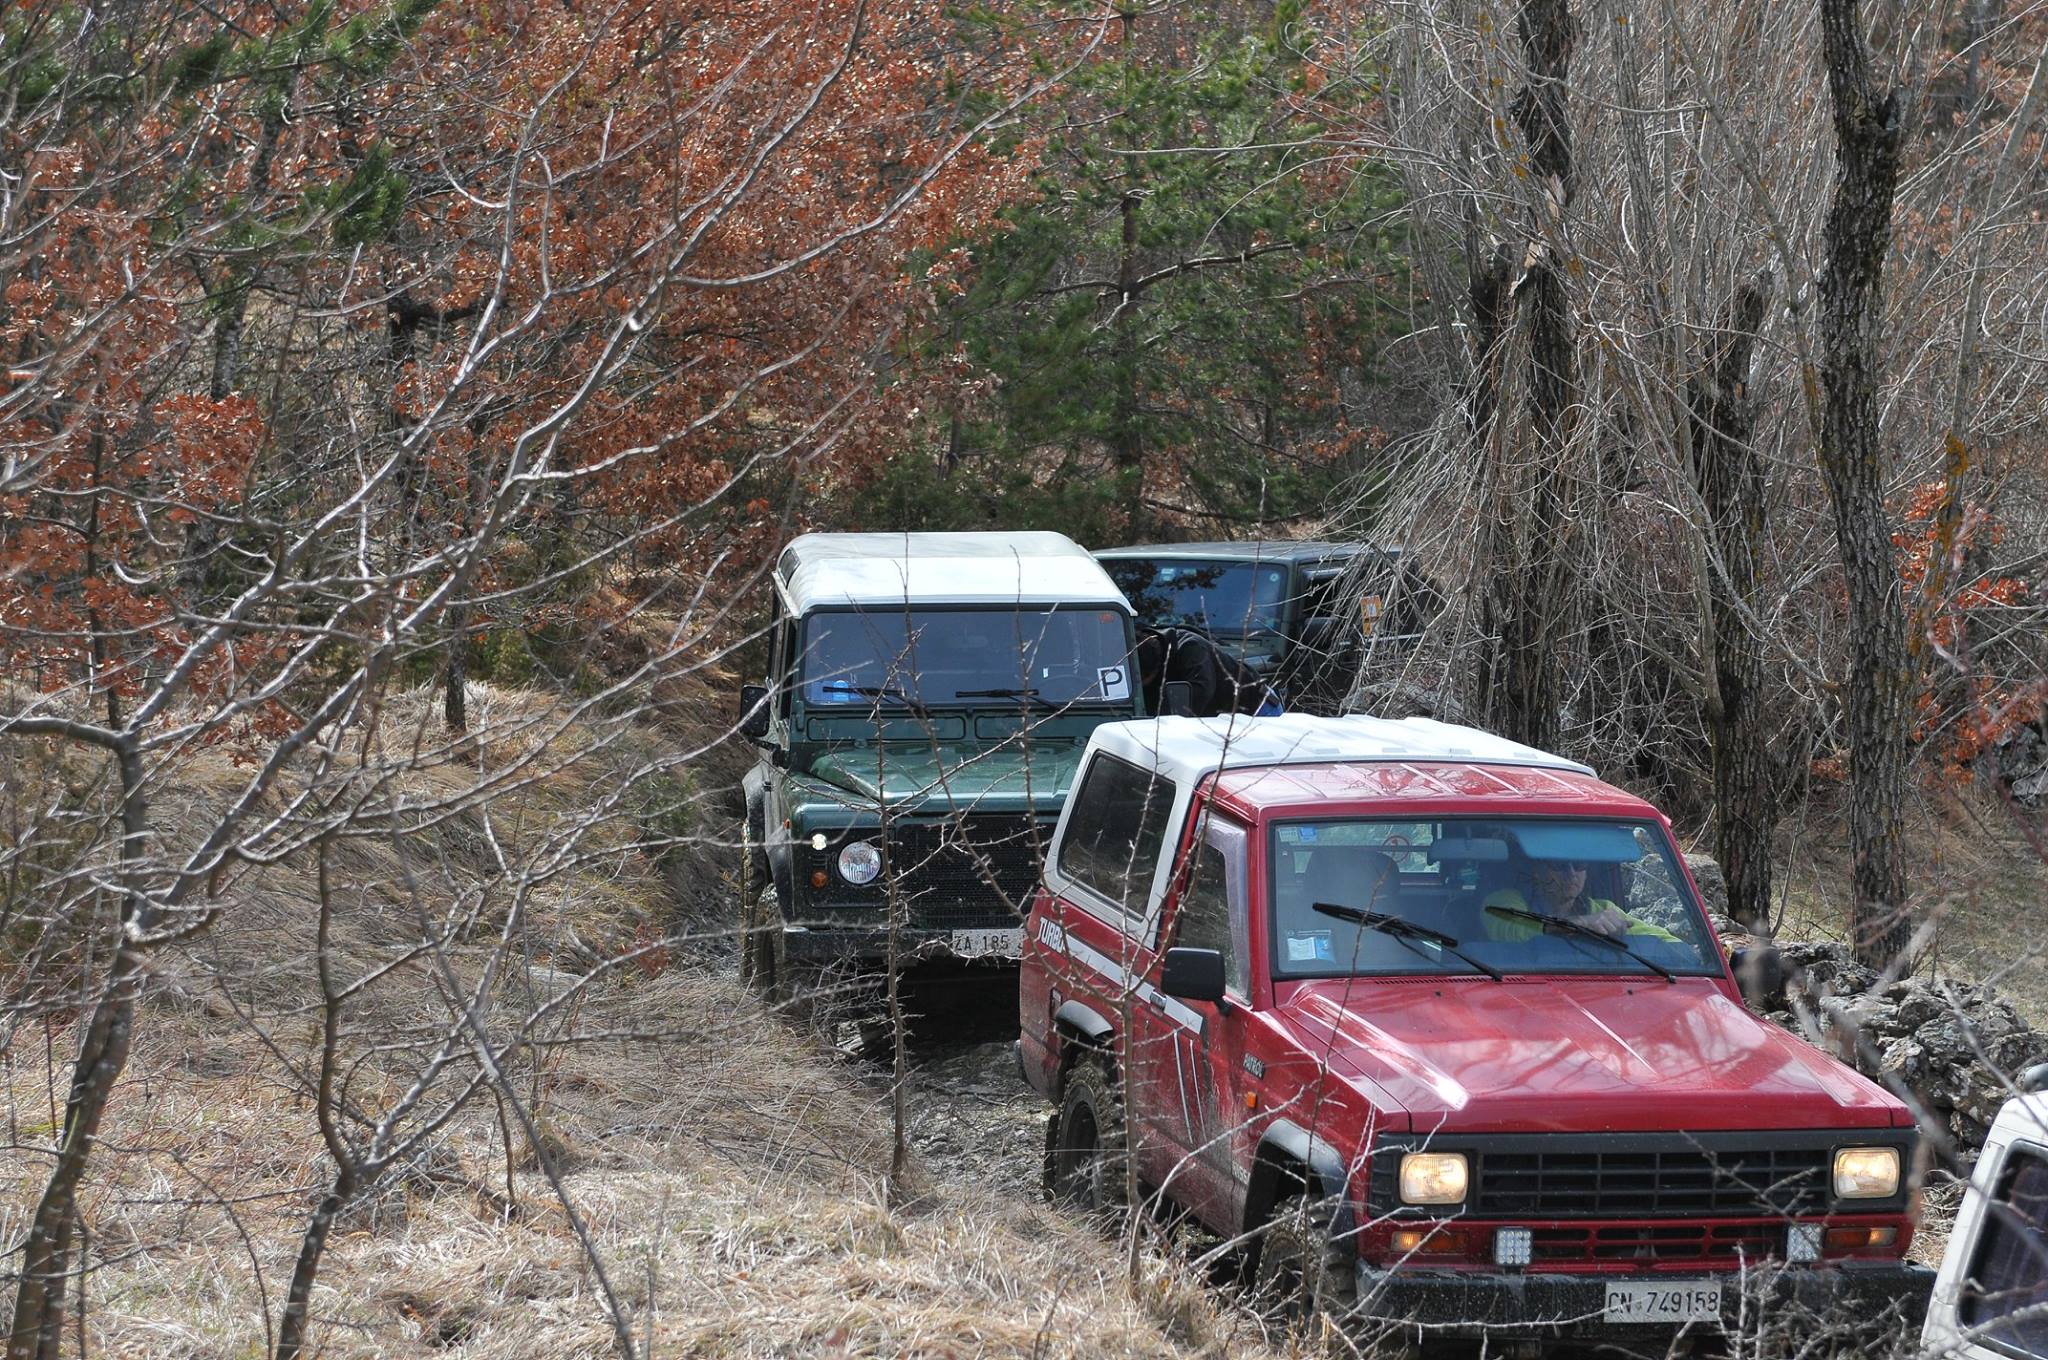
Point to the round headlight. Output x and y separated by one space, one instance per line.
1866 1173
859 863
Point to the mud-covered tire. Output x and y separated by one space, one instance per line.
760 918
1301 1277
1085 1143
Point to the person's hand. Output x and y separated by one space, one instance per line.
1608 921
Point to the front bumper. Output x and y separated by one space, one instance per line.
1881 1295
870 944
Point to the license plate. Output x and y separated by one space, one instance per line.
1676 1301
973 944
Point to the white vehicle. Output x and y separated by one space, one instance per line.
1991 1298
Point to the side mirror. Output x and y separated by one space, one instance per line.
1192 974
1177 699
2035 1079
754 711
1760 974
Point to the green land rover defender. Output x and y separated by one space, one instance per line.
928 697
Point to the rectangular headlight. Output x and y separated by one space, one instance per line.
1433 1178
1866 1173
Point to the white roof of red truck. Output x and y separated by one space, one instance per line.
1187 749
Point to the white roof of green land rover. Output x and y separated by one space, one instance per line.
1186 749
838 570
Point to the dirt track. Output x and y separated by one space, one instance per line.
970 1112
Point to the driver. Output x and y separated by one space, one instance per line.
1558 888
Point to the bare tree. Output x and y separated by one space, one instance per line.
1522 288
1868 133
457 374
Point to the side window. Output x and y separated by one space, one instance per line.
1114 827
779 657
1323 594
1212 912
2005 1293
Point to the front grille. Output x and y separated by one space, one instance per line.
1638 1176
965 872
1726 1243
1690 1182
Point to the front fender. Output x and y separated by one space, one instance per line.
1287 1150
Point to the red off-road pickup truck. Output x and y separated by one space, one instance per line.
1433 1025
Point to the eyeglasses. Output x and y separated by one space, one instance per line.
1566 866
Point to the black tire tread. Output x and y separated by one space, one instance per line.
1091 1081
1297 1236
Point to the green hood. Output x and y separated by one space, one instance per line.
954 778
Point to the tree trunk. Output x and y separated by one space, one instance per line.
1127 436
455 691
36 1331
1731 482
298 1300
1858 234
1527 604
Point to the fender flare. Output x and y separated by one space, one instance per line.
1286 1148
755 786
1078 1021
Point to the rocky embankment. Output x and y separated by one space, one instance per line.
1952 1048
1955 1050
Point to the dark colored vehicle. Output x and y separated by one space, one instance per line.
1300 614
1436 1024
928 698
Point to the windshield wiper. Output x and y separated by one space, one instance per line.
1030 694
889 692
1584 932
1406 931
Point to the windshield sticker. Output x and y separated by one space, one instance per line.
1309 946
1115 682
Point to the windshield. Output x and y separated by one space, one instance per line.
1230 599
1527 895
988 658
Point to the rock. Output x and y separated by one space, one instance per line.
1713 884
1810 954
1997 1020
1865 1017
1956 1051
2021 763
1919 1006
1826 963
2015 1053
1906 1059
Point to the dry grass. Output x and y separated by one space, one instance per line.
1975 871
733 1180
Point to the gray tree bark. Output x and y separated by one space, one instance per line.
1731 482
1526 603
1853 464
